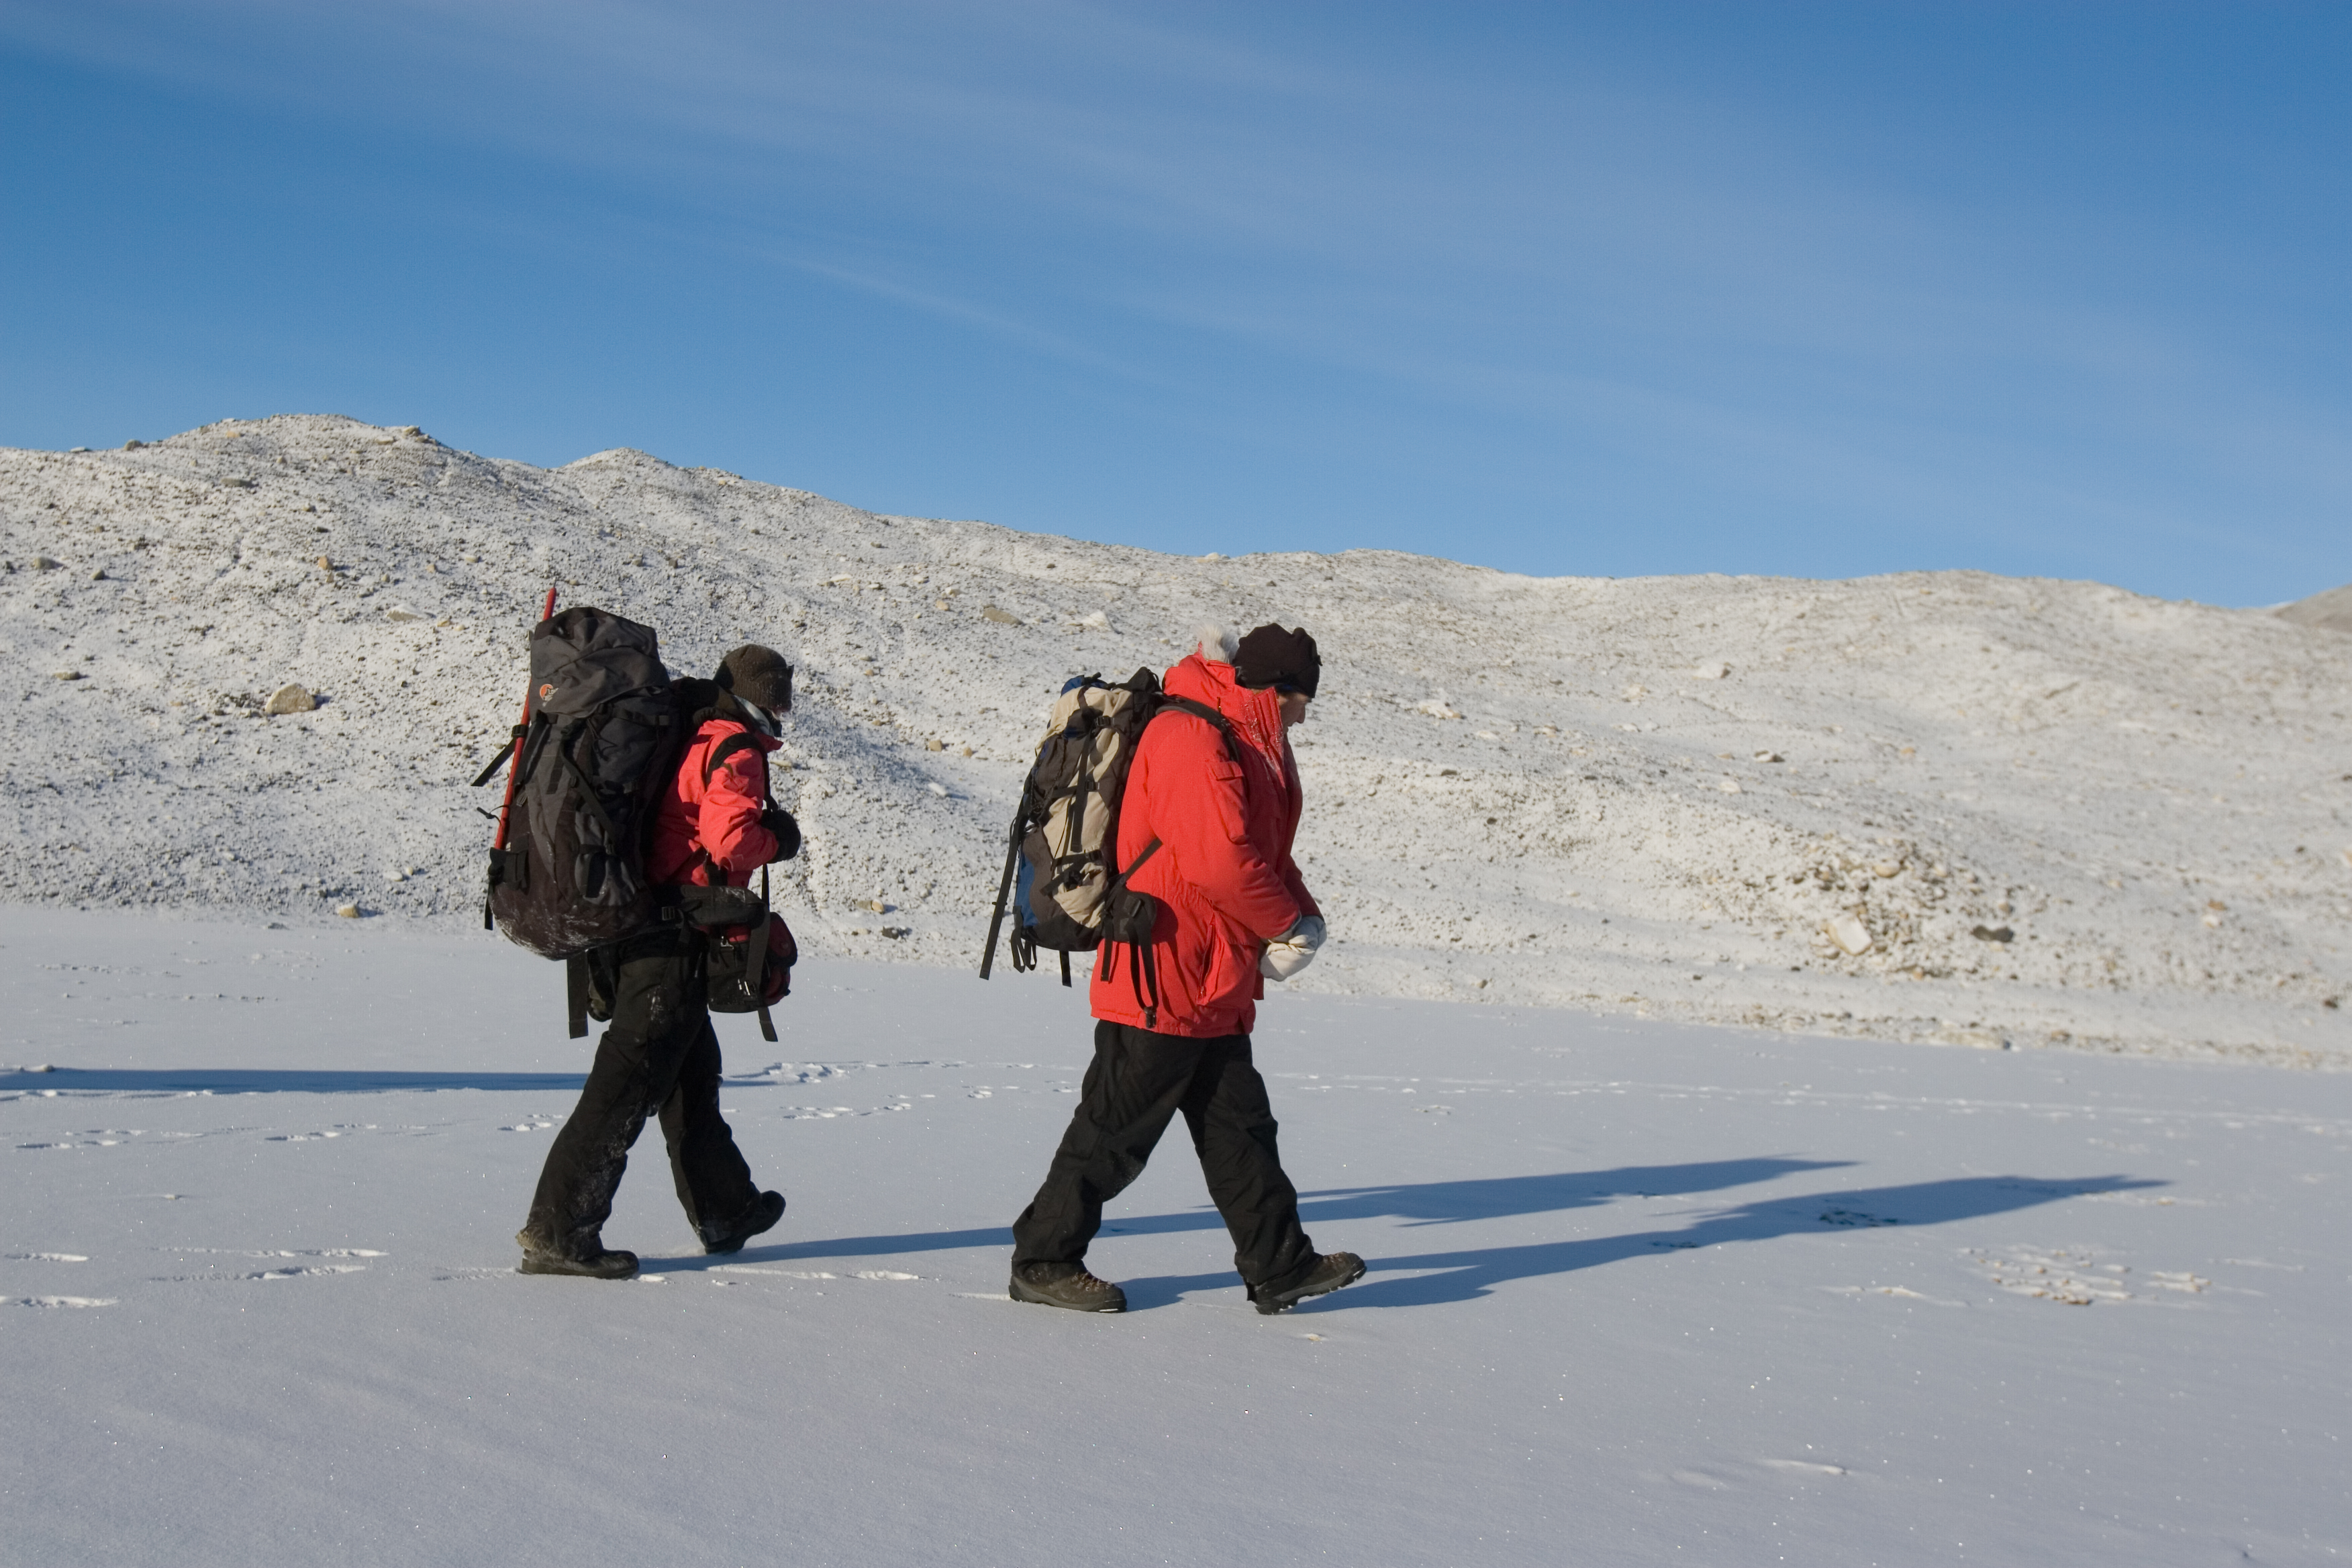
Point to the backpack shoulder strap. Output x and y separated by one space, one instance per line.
1201 710
741 741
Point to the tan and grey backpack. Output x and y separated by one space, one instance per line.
1062 881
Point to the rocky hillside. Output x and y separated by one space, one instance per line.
1937 805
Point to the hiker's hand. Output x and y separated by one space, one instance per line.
1293 951
778 821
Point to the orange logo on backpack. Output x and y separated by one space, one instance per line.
547 691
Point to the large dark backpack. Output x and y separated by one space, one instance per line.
1062 879
597 748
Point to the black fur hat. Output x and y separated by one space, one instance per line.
1272 657
758 675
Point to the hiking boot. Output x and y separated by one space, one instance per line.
1331 1271
599 1264
765 1211
1066 1285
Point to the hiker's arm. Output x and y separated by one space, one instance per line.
1298 886
729 823
1208 829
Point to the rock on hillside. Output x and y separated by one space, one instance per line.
1933 806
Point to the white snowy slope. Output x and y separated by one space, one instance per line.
1640 1293
2046 812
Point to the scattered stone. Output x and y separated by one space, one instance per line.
1714 669
1099 621
1887 868
133 445
934 744
70 675
1636 693
348 912
236 482
397 614
1729 787
967 750
1002 618
939 789
894 933
98 575
290 697
1438 709
876 905
1992 934
1852 937
43 564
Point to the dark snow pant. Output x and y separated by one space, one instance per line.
1137 1081
659 1055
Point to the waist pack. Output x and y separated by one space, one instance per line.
748 967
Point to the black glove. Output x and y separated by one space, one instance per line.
778 821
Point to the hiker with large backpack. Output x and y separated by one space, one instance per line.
1178 873
640 810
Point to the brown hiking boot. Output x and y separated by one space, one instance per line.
1331 1271
1066 1285
538 1258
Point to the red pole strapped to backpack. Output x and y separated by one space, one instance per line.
514 773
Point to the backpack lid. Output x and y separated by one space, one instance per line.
585 658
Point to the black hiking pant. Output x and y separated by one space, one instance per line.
1139 1081
658 1055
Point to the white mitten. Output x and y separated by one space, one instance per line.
1293 951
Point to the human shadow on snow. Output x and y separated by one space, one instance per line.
1462 1274
1428 1203
1426 1279
275 1080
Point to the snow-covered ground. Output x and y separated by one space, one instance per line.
2048 813
1640 1291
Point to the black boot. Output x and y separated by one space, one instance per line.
1066 1285
591 1262
1331 1271
765 1211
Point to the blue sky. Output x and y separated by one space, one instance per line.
1822 290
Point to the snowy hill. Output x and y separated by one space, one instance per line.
2044 812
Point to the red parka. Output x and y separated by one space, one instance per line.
710 835
1222 873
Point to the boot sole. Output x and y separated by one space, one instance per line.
1268 1306
1022 1291
567 1269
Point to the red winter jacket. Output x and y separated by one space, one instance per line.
1222 873
711 836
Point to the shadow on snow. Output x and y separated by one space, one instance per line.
1461 1274
275 1080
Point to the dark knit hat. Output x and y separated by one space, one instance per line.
1272 657
758 675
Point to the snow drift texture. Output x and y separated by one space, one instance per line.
1933 806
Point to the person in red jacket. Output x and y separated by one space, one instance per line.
1221 802
715 827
